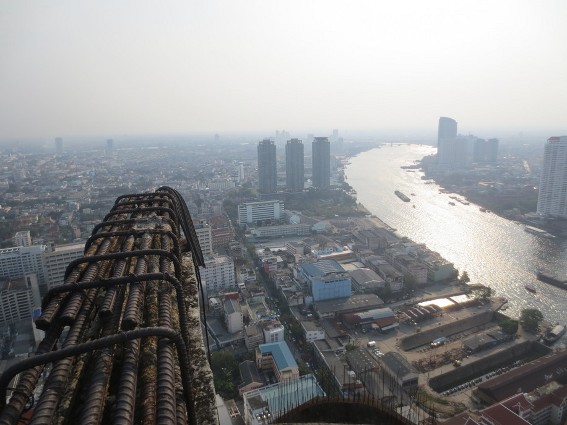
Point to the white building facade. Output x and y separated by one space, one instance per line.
260 212
218 275
205 237
17 262
18 298
56 258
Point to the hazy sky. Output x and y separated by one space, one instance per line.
135 67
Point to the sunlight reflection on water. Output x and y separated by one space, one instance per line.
494 251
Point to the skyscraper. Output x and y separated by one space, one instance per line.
447 128
321 157
446 134
552 198
294 165
58 145
109 148
267 167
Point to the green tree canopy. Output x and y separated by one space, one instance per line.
225 372
530 319
464 278
509 326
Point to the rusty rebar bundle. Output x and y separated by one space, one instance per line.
120 322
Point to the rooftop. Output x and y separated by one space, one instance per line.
281 354
322 268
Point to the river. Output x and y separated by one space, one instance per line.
494 251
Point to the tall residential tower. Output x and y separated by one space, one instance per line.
267 167
294 165
321 155
552 198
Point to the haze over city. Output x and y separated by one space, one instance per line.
134 68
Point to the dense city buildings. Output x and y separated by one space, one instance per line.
456 151
321 166
552 198
267 167
294 165
345 295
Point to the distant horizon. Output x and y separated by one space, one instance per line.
428 136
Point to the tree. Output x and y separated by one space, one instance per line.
225 373
509 326
464 279
530 319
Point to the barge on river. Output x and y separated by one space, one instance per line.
401 196
554 334
552 280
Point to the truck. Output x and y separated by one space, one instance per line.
371 344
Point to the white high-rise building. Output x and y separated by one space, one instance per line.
205 237
552 198
55 261
47 262
19 261
18 298
218 275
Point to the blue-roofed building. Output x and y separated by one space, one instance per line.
327 280
266 404
277 357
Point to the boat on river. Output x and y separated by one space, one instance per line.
401 196
554 334
551 279
539 232
530 288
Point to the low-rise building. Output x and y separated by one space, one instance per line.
399 371
249 376
277 357
281 230
312 331
366 280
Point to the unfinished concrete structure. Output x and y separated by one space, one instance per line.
123 340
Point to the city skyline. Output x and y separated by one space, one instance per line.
138 68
